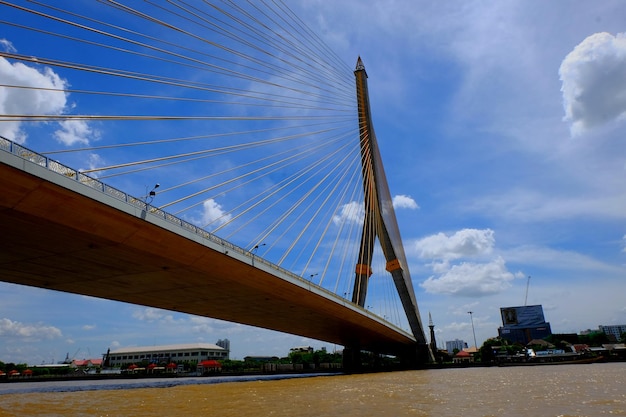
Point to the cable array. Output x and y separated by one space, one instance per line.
241 114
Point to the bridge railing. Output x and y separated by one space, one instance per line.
58 168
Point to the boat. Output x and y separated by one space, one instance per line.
553 359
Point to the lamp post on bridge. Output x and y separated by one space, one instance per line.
150 195
253 251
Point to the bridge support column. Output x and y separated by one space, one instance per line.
352 359
415 357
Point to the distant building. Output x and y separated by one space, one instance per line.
614 331
190 353
86 363
523 324
455 344
224 344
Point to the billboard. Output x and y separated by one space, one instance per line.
522 317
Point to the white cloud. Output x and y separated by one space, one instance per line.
42 93
480 274
94 161
352 212
404 201
461 244
151 314
213 212
28 100
74 131
6 45
471 279
39 331
593 79
89 327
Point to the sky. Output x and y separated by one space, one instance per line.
501 127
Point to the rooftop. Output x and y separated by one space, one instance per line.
161 348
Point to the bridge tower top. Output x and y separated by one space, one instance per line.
360 66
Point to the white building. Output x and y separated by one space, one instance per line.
189 352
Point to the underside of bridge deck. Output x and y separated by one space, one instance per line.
56 238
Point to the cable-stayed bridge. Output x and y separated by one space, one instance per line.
214 159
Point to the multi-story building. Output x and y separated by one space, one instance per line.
455 344
183 353
225 343
614 330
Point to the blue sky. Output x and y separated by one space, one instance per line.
502 124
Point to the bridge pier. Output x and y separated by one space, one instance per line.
352 362
355 360
415 357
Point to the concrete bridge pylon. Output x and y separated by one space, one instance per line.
380 223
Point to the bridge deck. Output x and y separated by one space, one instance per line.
61 235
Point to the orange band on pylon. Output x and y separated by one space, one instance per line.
363 269
393 265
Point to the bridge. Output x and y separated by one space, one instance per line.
65 229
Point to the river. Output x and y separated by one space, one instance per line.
557 391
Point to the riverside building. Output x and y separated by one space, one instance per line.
189 352
614 331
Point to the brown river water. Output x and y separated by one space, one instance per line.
558 391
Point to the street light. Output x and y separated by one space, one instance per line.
253 251
150 195
473 332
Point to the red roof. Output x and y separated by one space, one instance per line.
462 354
210 364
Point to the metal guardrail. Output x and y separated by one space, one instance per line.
58 168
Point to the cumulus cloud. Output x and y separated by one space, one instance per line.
593 80
28 100
461 244
463 263
37 91
404 201
471 279
74 131
39 331
151 314
213 213
352 212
